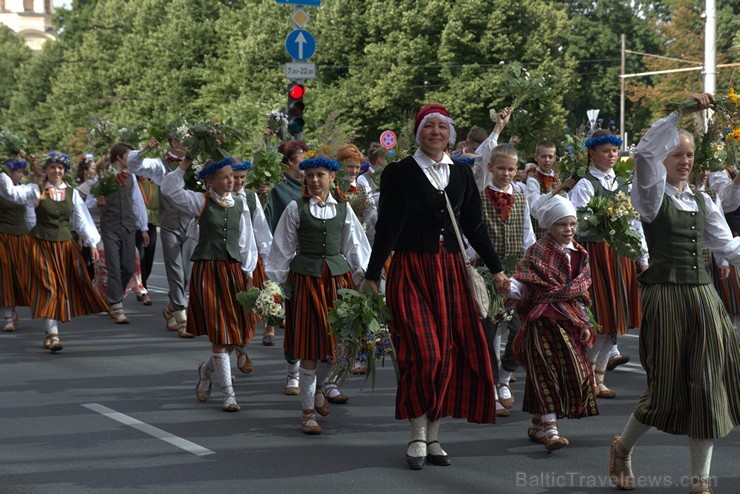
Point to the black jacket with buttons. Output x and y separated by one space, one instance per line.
412 214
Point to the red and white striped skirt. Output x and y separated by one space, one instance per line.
59 287
13 270
307 333
444 365
213 309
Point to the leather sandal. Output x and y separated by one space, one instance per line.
322 410
203 375
51 341
243 362
505 402
339 399
416 462
620 465
704 489
534 428
306 426
601 390
552 444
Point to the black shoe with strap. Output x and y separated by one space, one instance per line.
439 460
416 462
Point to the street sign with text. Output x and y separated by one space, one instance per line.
300 70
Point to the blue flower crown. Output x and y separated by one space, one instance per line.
56 157
598 141
330 165
214 167
242 166
16 164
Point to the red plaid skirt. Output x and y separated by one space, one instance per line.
444 365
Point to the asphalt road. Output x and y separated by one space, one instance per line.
115 412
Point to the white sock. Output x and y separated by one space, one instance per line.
418 433
552 433
614 352
597 348
504 376
701 460
222 371
308 388
292 370
51 326
433 435
632 432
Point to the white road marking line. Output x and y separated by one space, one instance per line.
630 367
165 436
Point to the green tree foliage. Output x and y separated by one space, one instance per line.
378 62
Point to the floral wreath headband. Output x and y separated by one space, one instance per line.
55 157
240 167
607 139
214 167
16 164
330 165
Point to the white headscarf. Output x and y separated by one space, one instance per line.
548 209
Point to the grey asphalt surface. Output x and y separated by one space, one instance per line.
54 438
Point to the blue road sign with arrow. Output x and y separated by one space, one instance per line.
300 44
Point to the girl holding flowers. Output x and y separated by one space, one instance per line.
318 247
614 288
223 261
15 222
687 343
59 287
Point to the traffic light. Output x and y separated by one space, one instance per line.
296 91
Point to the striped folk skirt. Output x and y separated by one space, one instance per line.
59 287
616 300
728 289
307 332
690 353
213 309
13 269
559 377
443 360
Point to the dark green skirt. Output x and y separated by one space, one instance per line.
690 353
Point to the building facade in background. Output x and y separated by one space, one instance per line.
31 19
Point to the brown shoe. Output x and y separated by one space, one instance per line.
243 362
118 316
337 399
620 465
501 411
291 390
322 410
203 376
534 428
616 361
700 489
601 390
184 334
51 341
8 326
505 402
169 318
309 423
551 442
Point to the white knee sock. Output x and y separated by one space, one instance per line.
701 460
308 388
222 373
614 351
598 347
552 433
504 376
418 433
632 432
433 435
51 326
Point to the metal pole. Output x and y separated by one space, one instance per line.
710 53
621 91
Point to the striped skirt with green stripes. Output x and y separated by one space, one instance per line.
13 269
690 353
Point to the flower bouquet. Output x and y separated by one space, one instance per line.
192 180
574 161
109 181
268 303
211 139
102 135
277 122
610 220
521 87
498 310
267 167
359 322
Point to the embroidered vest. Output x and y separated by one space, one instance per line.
12 218
150 193
219 232
674 241
53 218
319 243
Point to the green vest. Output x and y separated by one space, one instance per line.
508 238
251 203
53 218
600 191
319 242
150 192
219 232
12 218
674 241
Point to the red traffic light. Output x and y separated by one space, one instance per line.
296 91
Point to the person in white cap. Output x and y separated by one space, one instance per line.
551 285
